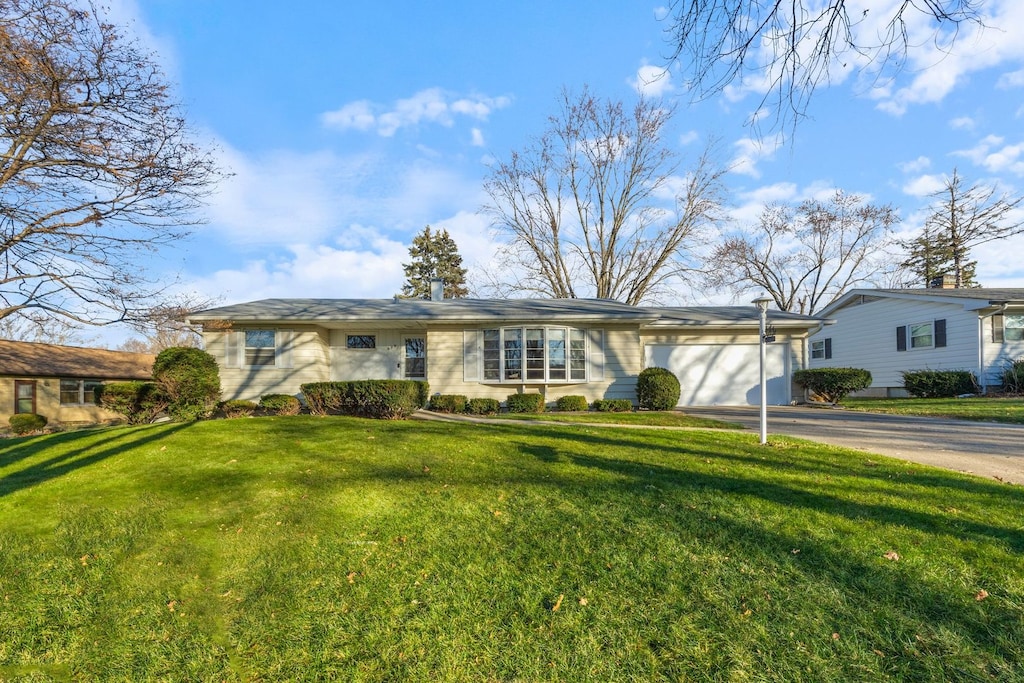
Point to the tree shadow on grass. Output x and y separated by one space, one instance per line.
75 450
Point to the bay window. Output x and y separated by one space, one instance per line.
534 354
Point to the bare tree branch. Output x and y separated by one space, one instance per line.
588 206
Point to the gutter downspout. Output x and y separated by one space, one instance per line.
981 345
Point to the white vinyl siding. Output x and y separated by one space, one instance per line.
300 356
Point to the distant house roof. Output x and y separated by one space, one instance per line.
30 359
972 298
326 311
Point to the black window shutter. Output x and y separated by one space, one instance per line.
901 338
940 333
997 328
828 347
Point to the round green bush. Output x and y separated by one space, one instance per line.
657 389
483 406
612 405
280 404
571 404
525 403
191 379
833 384
237 407
26 423
448 403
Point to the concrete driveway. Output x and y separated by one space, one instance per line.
981 448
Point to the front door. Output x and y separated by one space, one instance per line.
24 396
415 361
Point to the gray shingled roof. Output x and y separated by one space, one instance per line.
29 359
561 310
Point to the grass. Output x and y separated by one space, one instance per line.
308 548
984 409
666 418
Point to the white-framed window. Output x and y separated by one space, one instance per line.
361 341
821 349
78 392
260 347
921 335
1013 328
534 354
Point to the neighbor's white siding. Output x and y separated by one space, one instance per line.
999 355
307 356
864 336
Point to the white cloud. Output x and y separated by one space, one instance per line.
689 137
992 154
652 81
962 123
432 105
750 152
916 166
1012 79
477 137
924 185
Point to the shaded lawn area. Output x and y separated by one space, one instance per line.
656 418
341 549
985 409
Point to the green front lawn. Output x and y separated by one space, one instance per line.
312 548
985 409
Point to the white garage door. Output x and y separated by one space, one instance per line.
724 374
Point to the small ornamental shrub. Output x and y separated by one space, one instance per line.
237 407
571 404
833 384
612 405
191 381
280 404
525 403
26 423
657 389
483 406
939 383
1013 377
448 403
138 402
386 399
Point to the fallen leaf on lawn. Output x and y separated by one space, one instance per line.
163 448
239 530
426 469
747 613
497 513
171 604
84 559
558 603
583 601
835 636
981 595
892 555
795 551
879 653
351 577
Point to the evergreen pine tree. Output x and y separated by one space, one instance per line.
434 255
931 257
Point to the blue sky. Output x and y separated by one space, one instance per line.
350 126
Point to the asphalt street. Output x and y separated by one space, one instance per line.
982 448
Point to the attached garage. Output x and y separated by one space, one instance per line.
724 374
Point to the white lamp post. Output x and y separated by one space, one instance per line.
762 308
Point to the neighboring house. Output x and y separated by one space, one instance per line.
888 331
492 348
58 381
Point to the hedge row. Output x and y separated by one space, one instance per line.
939 383
386 399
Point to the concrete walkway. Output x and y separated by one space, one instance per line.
980 448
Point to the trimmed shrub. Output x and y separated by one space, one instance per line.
612 405
139 402
483 406
1013 377
448 403
571 404
657 389
386 399
939 383
238 407
191 380
26 423
525 403
280 404
833 384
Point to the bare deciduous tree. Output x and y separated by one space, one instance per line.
965 217
97 166
806 257
592 207
795 44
